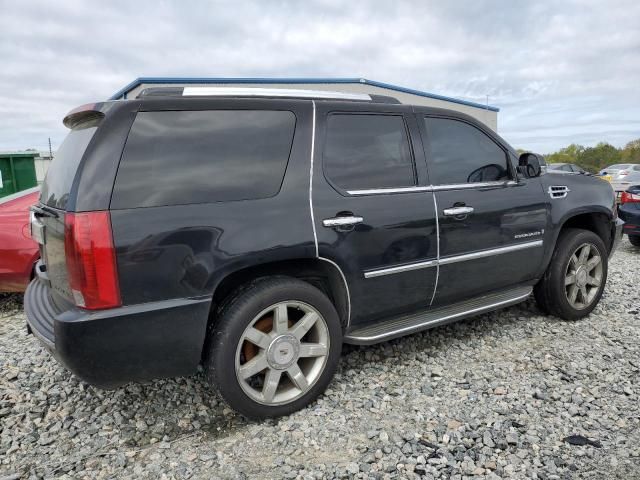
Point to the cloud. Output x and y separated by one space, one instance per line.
560 72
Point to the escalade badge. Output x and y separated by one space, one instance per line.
529 234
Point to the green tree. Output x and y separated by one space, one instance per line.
570 154
631 152
598 157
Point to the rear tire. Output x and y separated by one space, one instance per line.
575 278
635 240
274 347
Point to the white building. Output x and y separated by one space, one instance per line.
484 113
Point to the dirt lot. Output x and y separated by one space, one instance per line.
496 396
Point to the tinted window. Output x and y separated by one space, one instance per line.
461 153
174 158
368 151
567 168
62 171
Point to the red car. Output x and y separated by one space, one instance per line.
18 252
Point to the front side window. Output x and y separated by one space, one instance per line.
183 157
461 153
366 151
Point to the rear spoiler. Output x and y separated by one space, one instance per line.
90 112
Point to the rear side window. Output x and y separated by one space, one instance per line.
62 171
182 157
461 153
368 152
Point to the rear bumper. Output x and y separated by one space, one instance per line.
630 213
109 348
616 234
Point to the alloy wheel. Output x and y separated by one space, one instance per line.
282 353
583 276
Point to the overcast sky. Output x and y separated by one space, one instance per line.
560 72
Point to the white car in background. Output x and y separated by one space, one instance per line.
621 176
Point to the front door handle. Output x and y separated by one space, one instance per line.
457 211
342 221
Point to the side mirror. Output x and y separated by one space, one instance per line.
531 165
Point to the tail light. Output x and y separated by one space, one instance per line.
91 260
627 197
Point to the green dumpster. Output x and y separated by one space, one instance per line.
17 172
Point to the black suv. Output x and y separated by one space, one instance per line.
255 231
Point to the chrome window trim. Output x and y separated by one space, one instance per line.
386 191
271 92
452 259
465 186
432 188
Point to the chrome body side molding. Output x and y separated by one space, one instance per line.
452 259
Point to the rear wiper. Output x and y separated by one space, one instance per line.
43 211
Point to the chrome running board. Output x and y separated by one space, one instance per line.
397 327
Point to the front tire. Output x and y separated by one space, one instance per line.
635 240
274 347
575 279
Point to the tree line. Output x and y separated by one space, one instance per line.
596 158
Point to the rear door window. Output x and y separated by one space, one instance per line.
368 151
461 153
57 184
183 157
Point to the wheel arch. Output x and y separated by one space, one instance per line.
322 274
596 220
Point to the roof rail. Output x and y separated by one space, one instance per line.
252 92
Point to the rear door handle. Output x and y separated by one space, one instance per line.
456 211
342 221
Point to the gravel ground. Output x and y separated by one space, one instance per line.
494 396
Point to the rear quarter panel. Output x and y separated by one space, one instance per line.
186 250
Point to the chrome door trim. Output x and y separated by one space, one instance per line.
435 287
452 259
346 286
313 142
400 268
489 253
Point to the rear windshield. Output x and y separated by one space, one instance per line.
183 157
62 171
618 167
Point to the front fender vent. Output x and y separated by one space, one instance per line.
558 191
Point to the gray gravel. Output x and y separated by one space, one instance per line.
495 396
